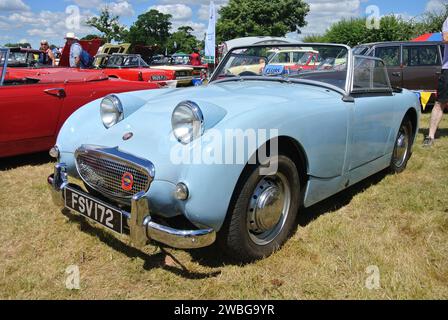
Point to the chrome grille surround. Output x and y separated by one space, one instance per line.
103 169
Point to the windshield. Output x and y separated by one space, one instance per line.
125 61
324 63
17 57
180 60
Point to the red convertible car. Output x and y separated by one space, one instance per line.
34 103
133 68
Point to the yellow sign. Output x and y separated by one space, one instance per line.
424 98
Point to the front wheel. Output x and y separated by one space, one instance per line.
264 212
403 146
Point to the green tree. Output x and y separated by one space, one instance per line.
17 45
108 25
315 38
182 40
432 21
355 31
242 18
151 29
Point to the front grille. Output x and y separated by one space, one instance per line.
182 74
105 173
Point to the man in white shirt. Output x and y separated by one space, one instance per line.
75 50
442 93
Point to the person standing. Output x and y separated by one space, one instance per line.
46 57
75 50
442 93
195 58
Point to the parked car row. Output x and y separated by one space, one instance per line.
34 103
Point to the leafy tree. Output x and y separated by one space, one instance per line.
182 40
17 45
242 18
392 28
151 28
432 21
354 31
108 25
315 38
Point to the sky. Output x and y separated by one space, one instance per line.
34 20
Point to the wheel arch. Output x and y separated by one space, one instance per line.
412 115
287 146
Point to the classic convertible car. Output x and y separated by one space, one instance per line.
233 162
34 103
133 68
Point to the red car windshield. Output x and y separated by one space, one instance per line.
126 61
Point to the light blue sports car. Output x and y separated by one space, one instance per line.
234 162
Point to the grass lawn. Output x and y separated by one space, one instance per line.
398 224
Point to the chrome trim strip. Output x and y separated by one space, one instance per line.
180 239
139 212
5 65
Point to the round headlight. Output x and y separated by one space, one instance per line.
187 122
111 111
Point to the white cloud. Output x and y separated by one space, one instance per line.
195 2
323 13
13 5
88 3
435 5
122 8
45 24
180 12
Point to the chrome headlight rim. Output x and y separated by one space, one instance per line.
117 112
197 118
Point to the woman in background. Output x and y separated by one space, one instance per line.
46 57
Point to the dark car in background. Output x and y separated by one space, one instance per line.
411 65
23 57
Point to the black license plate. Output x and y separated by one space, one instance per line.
94 209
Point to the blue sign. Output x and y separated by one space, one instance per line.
274 70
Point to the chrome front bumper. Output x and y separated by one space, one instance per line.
142 227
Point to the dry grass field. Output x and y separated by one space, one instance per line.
398 223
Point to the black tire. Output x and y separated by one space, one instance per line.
404 141
236 238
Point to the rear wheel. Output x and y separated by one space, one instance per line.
264 212
403 147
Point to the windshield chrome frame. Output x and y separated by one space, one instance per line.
4 51
350 59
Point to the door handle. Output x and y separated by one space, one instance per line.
438 73
57 92
396 74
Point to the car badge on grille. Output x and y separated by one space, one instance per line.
127 181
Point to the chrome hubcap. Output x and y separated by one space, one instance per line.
268 209
401 147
